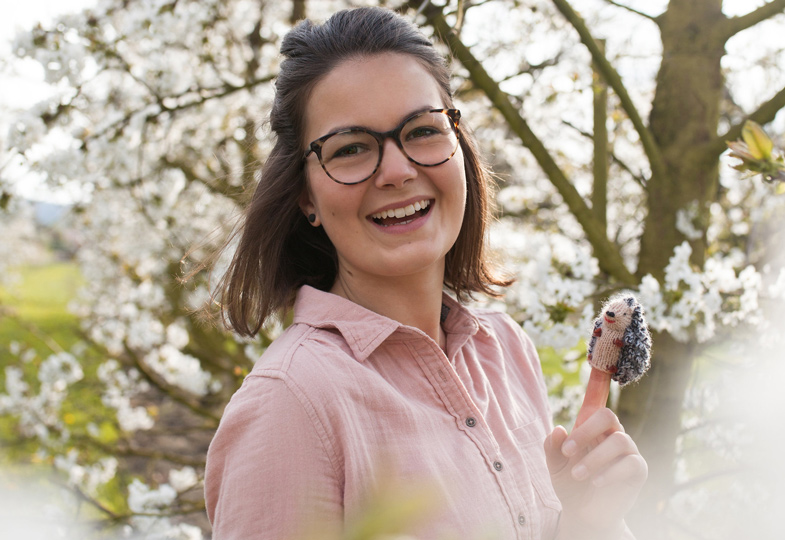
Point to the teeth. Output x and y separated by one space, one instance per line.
402 212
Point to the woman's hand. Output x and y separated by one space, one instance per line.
597 473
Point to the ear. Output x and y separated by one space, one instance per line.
307 206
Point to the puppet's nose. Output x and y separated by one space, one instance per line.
611 314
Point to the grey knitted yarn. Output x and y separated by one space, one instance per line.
621 343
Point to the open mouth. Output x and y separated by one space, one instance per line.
403 215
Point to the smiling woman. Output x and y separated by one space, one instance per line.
372 203
387 91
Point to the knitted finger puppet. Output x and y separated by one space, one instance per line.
619 349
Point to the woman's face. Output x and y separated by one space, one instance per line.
378 93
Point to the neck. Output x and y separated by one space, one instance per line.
415 302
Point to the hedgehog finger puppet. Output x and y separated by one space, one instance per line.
619 349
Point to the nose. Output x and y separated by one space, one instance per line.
611 314
395 168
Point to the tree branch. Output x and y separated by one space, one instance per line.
763 115
169 390
599 195
128 450
631 10
639 178
734 25
199 97
656 161
607 254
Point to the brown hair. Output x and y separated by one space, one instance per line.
278 250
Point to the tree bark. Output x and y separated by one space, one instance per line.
651 412
599 195
298 11
684 118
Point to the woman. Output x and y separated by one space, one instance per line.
373 201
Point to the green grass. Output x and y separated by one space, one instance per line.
35 309
34 315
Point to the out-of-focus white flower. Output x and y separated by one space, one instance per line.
120 387
183 479
143 499
554 284
180 369
59 370
696 303
177 335
685 222
87 477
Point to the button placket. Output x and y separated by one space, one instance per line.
455 397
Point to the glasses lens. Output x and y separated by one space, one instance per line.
429 138
350 156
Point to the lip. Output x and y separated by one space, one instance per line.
412 225
400 204
609 321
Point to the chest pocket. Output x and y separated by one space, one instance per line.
530 439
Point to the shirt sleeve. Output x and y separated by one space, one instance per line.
269 474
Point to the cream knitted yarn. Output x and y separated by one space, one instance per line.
620 343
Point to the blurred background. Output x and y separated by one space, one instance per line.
132 132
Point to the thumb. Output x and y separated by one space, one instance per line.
553 454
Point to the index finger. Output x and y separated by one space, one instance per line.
593 431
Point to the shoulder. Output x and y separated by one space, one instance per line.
284 393
304 365
302 351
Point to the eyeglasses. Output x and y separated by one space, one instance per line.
351 156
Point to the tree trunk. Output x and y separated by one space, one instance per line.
685 116
651 413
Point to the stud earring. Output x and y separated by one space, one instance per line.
311 218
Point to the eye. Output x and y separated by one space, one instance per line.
422 131
350 150
350 144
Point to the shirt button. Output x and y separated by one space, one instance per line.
521 519
498 465
471 422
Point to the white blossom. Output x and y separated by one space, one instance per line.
121 387
691 302
87 478
183 479
144 499
179 369
685 221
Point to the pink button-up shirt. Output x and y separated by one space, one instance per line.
347 403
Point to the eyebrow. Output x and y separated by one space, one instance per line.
402 118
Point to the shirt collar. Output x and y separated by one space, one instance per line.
364 330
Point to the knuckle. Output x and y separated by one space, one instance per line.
621 439
639 466
608 414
